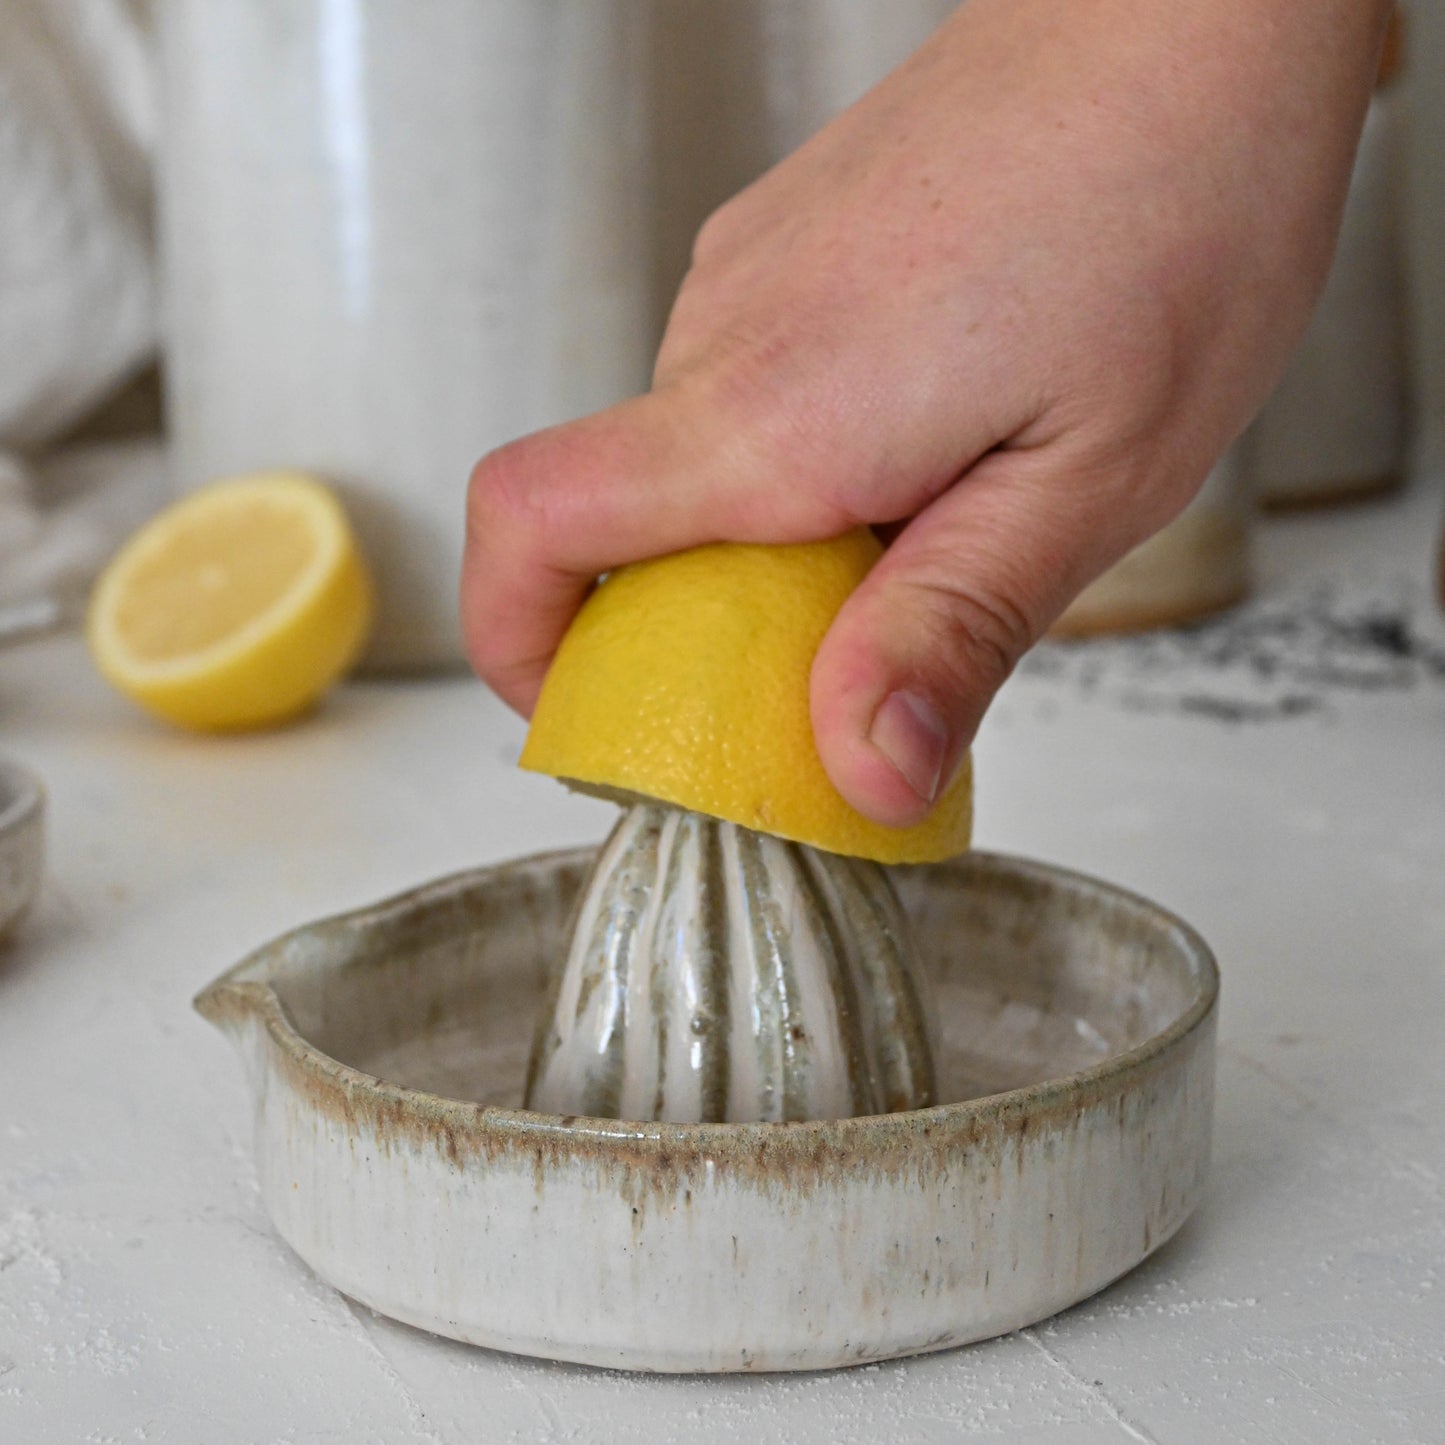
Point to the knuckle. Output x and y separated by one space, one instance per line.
716 233
980 636
506 505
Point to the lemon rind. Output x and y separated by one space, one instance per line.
915 844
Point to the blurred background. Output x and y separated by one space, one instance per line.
373 240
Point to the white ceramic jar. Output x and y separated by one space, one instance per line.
396 235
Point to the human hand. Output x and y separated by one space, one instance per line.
1010 307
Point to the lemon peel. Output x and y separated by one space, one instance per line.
685 679
236 607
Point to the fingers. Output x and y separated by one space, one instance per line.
903 677
547 514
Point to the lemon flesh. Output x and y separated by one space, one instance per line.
236 607
685 679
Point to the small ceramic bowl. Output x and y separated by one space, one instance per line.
22 841
387 1051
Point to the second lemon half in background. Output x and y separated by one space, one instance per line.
235 608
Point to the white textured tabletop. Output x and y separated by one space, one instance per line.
1278 778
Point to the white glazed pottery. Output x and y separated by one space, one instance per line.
715 974
386 1050
22 841
395 236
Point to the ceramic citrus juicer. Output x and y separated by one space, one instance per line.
789 1106
740 953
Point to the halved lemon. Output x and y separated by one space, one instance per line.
685 679
236 607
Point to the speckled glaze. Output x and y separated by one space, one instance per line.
386 1050
22 841
717 974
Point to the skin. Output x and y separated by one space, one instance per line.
1010 308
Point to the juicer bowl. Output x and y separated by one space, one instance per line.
387 1048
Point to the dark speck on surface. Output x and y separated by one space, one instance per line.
1283 656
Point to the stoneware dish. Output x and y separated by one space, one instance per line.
387 1051
22 841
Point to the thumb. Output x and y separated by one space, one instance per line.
914 657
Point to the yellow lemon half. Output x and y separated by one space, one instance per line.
236 607
685 679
